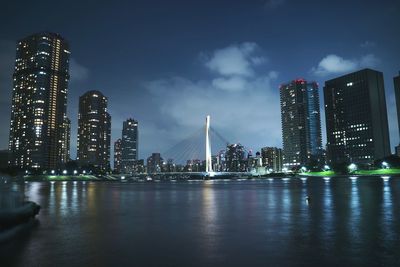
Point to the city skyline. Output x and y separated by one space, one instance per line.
211 75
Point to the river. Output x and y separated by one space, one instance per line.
345 222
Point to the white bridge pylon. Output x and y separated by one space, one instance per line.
208 146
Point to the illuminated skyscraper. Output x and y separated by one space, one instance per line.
117 155
94 131
65 142
356 118
301 123
39 102
129 145
396 81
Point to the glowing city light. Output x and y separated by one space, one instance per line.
385 165
352 167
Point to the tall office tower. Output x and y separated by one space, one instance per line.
39 101
65 142
94 131
154 163
272 158
396 81
301 123
356 118
117 155
129 145
235 158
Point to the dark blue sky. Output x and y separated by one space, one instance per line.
170 63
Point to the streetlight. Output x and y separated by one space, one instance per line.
385 165
64 172
326 168
352 167
75 172
52 171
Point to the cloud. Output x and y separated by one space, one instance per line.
273 3
333 64
243 108
77 71
230 84
235 60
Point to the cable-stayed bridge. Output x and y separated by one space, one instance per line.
205 147
201 154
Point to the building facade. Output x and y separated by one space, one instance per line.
272 158
301 123
129 145
65 150
396 81
39 102
235 160
117 156
356 118
94 131
154 163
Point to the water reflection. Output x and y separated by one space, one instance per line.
347 221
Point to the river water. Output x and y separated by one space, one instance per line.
346 222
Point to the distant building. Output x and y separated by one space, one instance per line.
39 102
94 131
195 165
356 118
301 123
140 167
154 163
129 145
396 81
170 166
272 158
235 158
117 155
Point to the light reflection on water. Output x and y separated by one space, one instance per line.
346 221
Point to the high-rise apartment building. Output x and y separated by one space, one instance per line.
94 131
272 158
356 118
65 151
396 81
39 102
129 145
301 123
117 155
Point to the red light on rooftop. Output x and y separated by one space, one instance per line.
300 80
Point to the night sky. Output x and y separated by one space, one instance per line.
170 63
